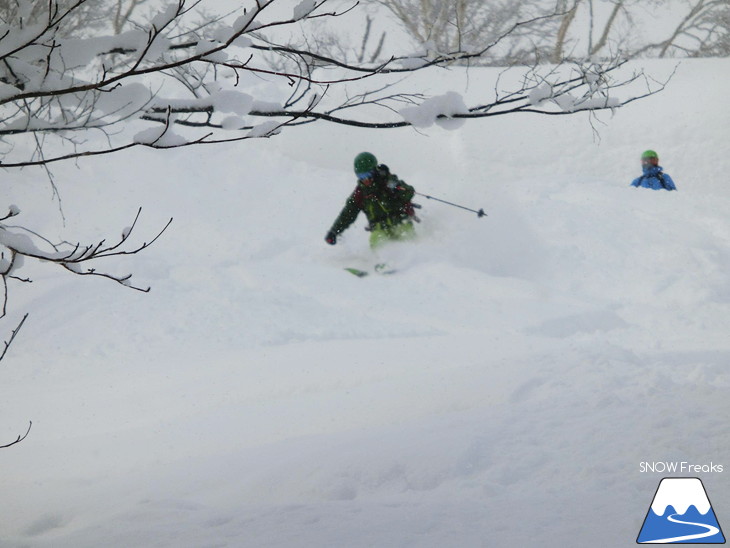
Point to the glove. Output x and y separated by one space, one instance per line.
331 238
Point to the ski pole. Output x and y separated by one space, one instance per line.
479 213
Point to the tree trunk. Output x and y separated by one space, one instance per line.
607 29
563 31
696 9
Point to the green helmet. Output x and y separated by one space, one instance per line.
649 154
365 162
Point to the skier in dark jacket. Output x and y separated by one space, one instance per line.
385 200
653 176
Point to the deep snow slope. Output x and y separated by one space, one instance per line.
501 389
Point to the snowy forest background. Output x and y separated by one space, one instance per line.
500 390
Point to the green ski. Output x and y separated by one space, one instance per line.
357 272
380 268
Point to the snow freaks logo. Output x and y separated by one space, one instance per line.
680 467
680 513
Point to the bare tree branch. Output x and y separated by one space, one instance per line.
7 344
13 334
20 438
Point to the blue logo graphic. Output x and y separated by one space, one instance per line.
681 513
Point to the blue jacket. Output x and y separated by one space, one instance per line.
654 178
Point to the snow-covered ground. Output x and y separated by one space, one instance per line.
500 390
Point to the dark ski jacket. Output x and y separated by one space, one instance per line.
386 202
654 178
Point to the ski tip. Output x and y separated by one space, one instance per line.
383 268
357 272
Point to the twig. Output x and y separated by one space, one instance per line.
12 336
20 438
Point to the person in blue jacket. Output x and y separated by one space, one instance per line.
653 176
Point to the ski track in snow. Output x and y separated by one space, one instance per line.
515 365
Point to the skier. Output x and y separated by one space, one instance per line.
653 176
385 200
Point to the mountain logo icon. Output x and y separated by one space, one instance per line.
680 513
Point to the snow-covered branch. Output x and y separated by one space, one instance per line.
19 243
196 74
